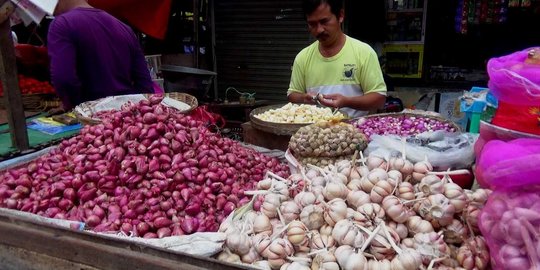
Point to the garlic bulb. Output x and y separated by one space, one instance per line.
431 185
305 198
376 175
297 233
407 169
416 225
290 211
227 256
270 205
395 177
321 241
409 259
261 242
325 261
349 259
374 162
381 248
334 190
381 190
405 191
438 210
346 233
474 254
238 242
396 163
326 229
455 232
395 210
262 224
480 196
264 184
252 256
378 265
430 245
278 251
357 198
399 228
355 184
513 257
471 213
295 266
312 216
456 195
335 211
372 211
420 169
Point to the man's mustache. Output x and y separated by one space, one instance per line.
319 36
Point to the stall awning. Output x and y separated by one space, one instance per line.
148 16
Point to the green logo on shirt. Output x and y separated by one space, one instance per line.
348 72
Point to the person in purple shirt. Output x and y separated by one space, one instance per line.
94 55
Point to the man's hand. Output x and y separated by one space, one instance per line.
333 100
301 98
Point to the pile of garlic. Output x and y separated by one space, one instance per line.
359 217
299 114
326 143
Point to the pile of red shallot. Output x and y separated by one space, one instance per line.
146 170
383 214
400 125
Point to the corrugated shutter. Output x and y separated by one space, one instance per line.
256 42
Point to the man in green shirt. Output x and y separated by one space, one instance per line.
344 70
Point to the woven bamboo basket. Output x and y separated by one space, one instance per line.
411 114
89 107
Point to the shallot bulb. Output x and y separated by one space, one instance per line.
325 261
417 225
381 190
349 259
321 241
455 232
335 211
395 210
474 254
312 216
347 233
357 198
290 211
405 191
456 195
438 210
431 185
369 181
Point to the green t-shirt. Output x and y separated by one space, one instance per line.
354 71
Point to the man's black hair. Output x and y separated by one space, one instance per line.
309 6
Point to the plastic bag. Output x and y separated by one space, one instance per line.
509 222
443 149
509 164
515 80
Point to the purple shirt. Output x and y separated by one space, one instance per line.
94 55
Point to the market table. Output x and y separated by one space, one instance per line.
37 139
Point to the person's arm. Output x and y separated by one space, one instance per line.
139 70
62 52
297 97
